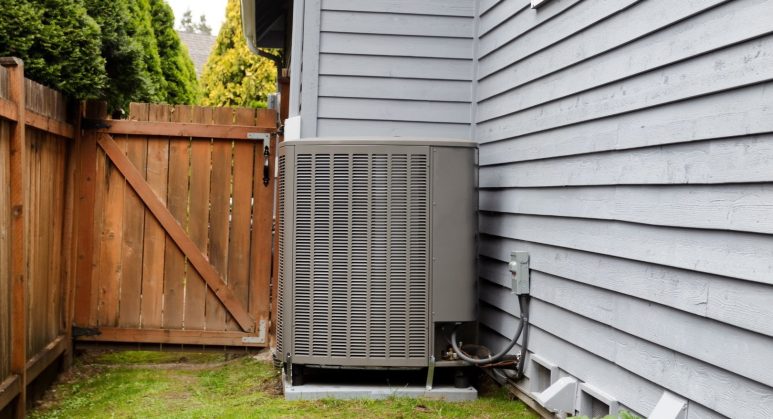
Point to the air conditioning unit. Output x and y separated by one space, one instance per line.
377 250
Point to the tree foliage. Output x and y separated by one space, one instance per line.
177 69
187 24
233 75
127 72
118 50
58 41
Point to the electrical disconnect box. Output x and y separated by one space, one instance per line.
519 270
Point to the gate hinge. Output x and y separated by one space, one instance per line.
85 331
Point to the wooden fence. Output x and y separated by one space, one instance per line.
155 229
36 226
179 245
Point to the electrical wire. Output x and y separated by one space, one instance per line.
492 361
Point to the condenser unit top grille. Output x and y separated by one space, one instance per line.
383 141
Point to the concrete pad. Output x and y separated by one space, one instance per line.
375 392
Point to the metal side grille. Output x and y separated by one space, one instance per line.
361 256
281 274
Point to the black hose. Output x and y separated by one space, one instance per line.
524 303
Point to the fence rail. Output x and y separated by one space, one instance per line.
36 223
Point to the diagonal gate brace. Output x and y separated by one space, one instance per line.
176 232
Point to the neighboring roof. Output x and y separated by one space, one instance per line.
199 46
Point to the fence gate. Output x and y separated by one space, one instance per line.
174 226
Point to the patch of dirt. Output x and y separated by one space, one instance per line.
79 373
272 386
263 356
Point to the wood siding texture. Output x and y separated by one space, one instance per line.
628 146
387 68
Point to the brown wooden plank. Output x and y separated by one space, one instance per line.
133 230
261 241
198 223
155 237
167 336
49 125
175 309
9 389
33 236
178 129
220 203
260 294
99 223
85 301
111 241
45 357
54 157
5 249
239 237
189 248
18 151
8 110
69 239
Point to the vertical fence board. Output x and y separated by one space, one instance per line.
31 209
239 237
5 247
18 190
56 273
201 166
260 299
89 214
220 196
175 297
133 229
110 268
69 240
154 236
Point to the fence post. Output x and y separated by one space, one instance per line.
84 315
17 165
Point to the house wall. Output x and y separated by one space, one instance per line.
628 146
385 68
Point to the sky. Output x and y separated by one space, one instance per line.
213 9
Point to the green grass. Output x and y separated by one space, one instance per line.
157 357
128 385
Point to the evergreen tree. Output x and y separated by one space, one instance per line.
142 31
176 65
128 77
233 75
118 50
59 43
